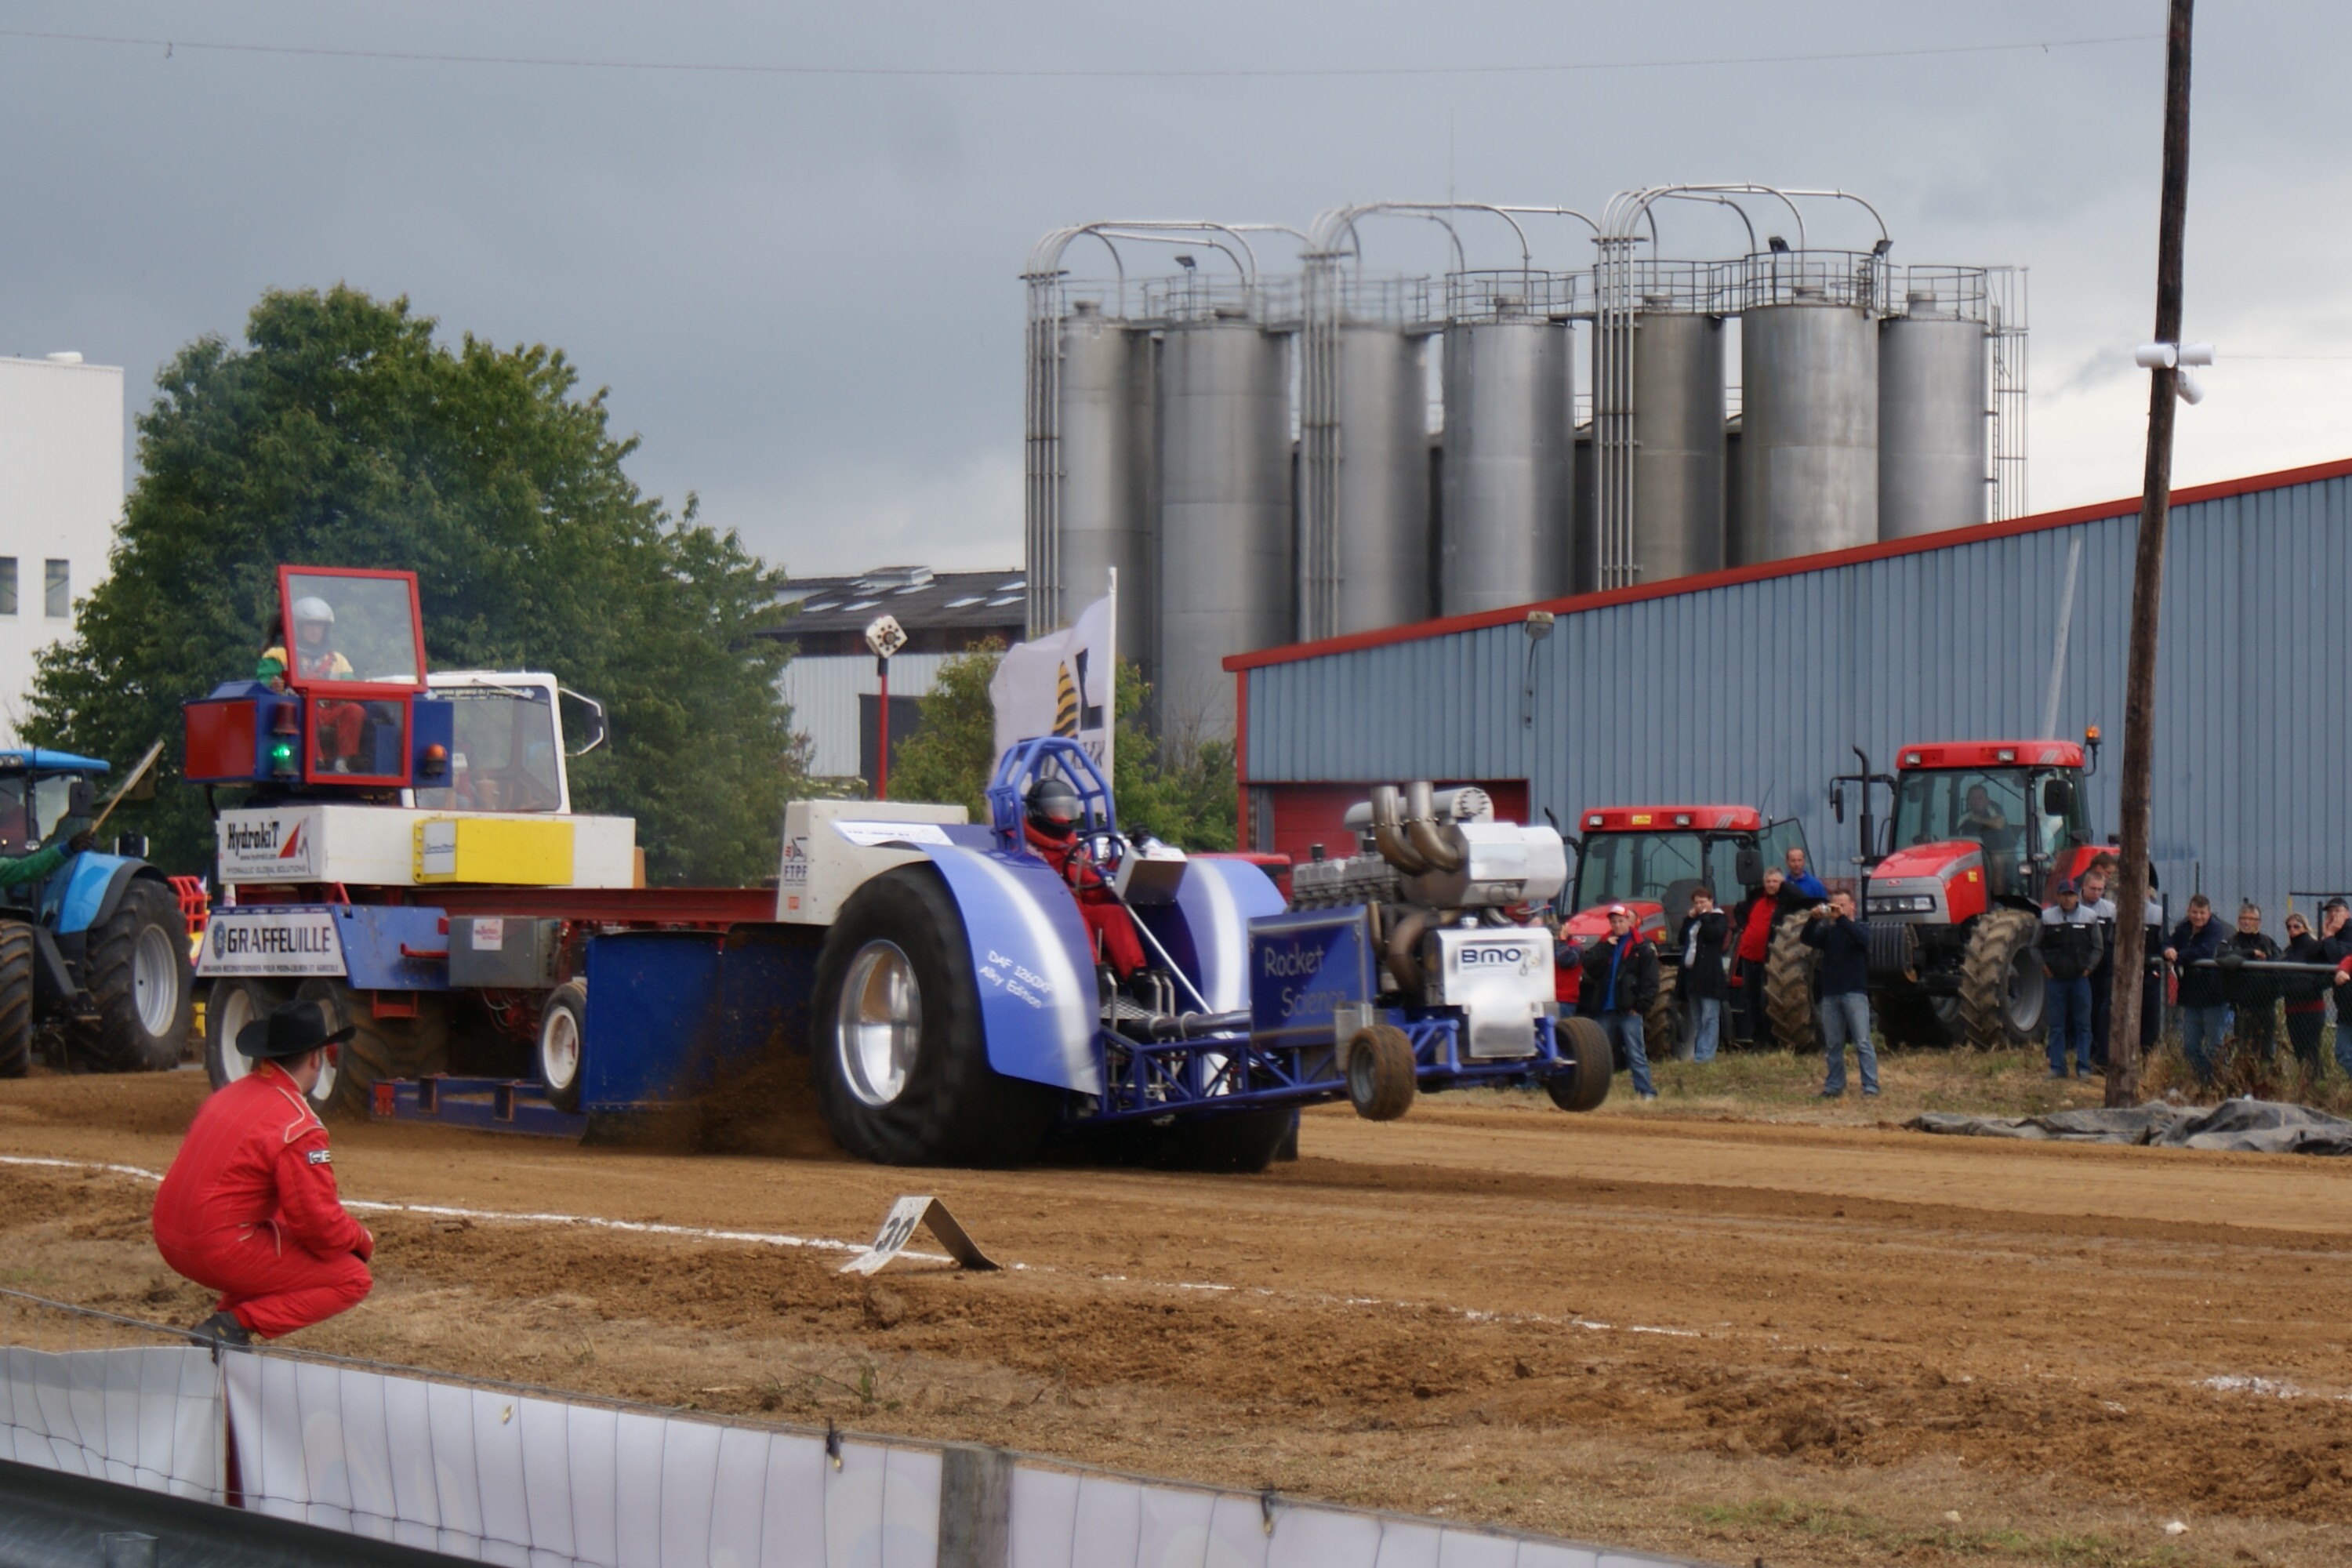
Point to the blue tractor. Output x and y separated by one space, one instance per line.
93 950
964 1011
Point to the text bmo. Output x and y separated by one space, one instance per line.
1492 957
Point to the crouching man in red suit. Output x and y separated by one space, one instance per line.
248 1207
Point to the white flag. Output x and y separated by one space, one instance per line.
1061 684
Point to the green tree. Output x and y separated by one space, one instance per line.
1185 794
342 433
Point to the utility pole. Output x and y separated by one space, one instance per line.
2148 578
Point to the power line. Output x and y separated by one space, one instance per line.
409 57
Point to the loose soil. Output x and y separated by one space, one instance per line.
1833 1341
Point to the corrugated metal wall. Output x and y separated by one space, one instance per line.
824 689
1753 691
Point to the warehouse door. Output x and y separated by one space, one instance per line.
1292 818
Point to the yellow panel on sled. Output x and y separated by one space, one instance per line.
509 851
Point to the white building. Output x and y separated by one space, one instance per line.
60 499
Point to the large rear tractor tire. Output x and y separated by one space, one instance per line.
1581 1082
229 1007
1382 1078
380 1050
1789 966
1666 1033
2001 981
559 1056
135 968
900 1056
1239 1143
15 999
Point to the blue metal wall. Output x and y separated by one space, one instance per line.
1752 692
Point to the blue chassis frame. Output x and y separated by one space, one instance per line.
1175 1078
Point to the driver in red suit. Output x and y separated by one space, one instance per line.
250 1208
1051 828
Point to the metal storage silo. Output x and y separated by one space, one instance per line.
1381 485
1934 409
1105 396
1225 562
1678 468
1509 482
1808 388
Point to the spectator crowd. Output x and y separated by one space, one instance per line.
2228 990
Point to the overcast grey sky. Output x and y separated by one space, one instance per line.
802 290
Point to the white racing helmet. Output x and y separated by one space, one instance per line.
311 607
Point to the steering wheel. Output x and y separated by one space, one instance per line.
1105 851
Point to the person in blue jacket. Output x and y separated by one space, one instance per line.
1801 878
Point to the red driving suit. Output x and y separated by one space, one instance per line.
1108 923
249 1208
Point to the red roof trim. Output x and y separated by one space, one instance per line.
1419 630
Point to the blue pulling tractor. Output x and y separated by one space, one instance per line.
93 953
961 1012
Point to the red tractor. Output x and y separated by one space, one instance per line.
1651 857
1982 831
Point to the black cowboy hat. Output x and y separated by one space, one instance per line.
293 1030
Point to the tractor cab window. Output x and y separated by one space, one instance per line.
52 803
2057 832
1779 838
15 823
1987 804
505 755
1661 868
359 628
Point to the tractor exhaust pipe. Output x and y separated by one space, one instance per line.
1420 826
1192 1026
1388 832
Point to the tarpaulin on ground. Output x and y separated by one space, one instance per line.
2249 1126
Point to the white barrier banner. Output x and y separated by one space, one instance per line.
498 1477
149 1418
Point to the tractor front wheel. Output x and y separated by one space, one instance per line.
1582 1080
15 999
135 968
900 1055
228 1008
2001 981
1789 966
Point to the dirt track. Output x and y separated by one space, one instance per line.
1723 1339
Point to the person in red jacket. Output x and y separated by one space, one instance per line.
248 1207
1052 809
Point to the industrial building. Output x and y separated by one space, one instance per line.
1751 685
1271 436
831 683
60 499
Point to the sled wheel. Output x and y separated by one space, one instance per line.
562 1032
1581 1081
1382 1077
